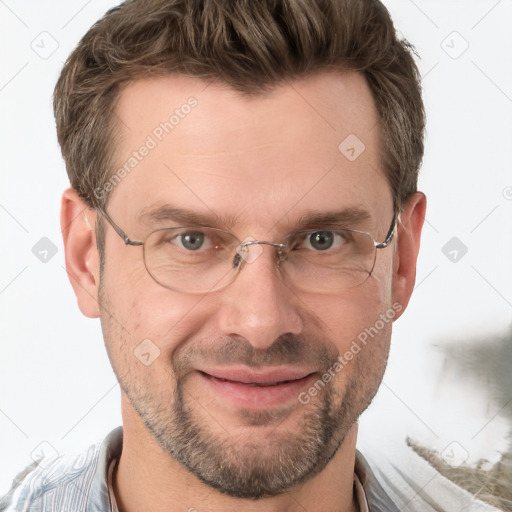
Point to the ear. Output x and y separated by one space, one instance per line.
407 248
77 223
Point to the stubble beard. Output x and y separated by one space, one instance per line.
239 466
242 467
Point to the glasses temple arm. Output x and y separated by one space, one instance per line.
390 233
118 230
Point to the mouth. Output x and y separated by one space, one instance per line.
245 388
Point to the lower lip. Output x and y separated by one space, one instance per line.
257 397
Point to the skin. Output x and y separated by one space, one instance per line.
266 160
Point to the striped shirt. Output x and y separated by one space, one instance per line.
83 483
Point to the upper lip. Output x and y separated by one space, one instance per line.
247 375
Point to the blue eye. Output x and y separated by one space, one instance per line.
323 240
191 240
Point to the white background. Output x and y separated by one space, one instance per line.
56 384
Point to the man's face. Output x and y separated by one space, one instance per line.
260 163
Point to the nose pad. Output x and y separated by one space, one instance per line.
249 250
282 255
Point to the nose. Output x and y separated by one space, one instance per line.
258 305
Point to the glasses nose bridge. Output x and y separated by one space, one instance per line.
261 242
243 255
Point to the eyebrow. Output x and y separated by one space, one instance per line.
157 214
346 217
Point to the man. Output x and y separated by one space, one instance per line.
243 209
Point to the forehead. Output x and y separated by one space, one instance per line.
307 145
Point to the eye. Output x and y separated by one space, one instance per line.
323 240
192 240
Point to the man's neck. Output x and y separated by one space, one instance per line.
148 478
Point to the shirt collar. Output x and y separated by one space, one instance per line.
370 494
378 499
110 450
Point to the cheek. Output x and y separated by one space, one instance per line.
347 316
145 309
167 318
382 275
361 330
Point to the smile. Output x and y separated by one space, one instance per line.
244 388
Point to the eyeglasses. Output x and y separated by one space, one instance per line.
204 259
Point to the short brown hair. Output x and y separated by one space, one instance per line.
252 45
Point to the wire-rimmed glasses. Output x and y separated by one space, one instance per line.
198 259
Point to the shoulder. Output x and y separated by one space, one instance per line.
411 484
72 482
51 478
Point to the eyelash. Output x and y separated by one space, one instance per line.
297 239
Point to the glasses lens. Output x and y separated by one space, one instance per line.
330 261
199 260
190 259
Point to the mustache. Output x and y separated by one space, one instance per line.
287 350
